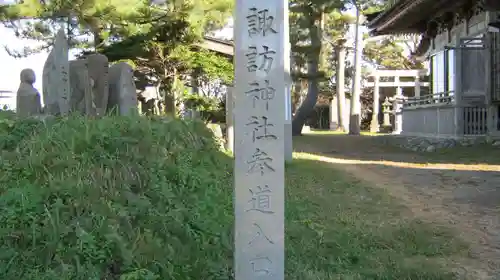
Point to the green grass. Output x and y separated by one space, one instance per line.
477 154
340 228
114 198
142 199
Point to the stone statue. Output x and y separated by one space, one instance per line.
28 98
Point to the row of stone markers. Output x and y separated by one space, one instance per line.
88 86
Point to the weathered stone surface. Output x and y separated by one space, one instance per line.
217 131
430 149
98 66
28 98
122 91
260 87
80 88
56 85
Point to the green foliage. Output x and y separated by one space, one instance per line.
93 24
12 132
389 54
213 66
88 23
115 198
211 109
200 103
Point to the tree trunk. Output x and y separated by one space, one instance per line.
169 90
307 106
341 54
296 97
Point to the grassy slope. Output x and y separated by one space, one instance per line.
140 199
116 197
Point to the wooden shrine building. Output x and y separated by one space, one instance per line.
461 40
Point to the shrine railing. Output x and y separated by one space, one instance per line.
436 99
475 120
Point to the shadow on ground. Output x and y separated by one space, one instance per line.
345 229
457 188
377 148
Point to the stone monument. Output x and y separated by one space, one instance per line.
28 98
56 85
261 66
122 91
81 97
98 65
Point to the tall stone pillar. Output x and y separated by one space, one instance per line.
417 86
261 66
374 125
340 83
288 103
333 115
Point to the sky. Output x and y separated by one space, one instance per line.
11 67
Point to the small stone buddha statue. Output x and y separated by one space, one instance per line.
28 98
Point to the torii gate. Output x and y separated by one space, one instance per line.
376 84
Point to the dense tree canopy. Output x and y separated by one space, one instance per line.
157 39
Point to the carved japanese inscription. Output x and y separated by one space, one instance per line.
261 91
260 60
260 22
260 41
261 128
261 200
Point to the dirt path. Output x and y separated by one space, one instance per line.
463 197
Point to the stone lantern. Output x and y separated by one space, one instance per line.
386 109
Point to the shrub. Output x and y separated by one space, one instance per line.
115 198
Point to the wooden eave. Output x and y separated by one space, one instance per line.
223 47
411 16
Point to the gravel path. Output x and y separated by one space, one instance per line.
463 197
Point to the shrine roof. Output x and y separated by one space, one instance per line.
410 16
224 47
